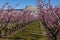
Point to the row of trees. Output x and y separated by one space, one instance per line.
11 17
50 18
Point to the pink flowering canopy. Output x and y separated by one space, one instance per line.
51 16
13 16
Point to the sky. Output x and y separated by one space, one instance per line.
24 3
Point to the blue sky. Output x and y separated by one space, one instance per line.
24 3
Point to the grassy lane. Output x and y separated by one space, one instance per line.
32 32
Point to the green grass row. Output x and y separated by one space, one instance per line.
34 31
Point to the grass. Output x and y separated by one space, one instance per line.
34 31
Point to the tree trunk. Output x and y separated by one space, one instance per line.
54 37
0 33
